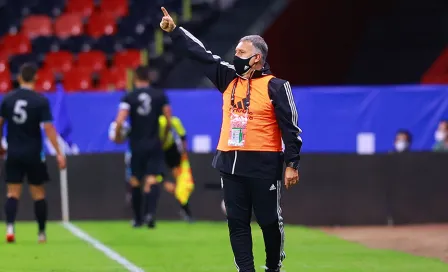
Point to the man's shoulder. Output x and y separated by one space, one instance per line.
25 94
8 97
38 97
156 91
277 83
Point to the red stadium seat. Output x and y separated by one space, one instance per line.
84 8
5 82
45 81
16 44
68 25
4 54
77 79
127 58
58 62
119 8
37 25
94 60
101 24
4 66
113 79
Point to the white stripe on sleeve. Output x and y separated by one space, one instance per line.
292 105
196 40
124 106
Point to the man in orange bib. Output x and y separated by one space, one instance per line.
258 112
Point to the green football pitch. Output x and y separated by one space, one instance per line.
182 247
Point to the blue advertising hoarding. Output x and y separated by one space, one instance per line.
332 118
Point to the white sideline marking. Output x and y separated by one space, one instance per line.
101 247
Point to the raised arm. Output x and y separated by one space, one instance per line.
221 73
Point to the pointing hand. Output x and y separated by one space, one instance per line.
167 24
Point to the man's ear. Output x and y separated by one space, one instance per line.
257 59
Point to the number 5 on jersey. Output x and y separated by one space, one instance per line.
20 114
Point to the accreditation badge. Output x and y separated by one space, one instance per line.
238 125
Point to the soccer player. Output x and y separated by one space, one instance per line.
144 105
177 161
24 111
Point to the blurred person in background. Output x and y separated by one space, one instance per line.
144 105
25 111
441 137
176 158
403 141
258 112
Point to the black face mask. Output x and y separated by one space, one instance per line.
241 65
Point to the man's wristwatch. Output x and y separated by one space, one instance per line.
294 165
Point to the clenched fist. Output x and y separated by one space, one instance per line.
167 24
291 177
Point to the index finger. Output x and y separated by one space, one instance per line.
165 12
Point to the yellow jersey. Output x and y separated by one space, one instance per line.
176 128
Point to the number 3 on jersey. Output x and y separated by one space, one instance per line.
20 114
145 104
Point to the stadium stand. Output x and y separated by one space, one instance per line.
37 25
68 25
84 44
61 61
5 82
77 79
46 81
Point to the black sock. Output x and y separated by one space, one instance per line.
151 200
40 211
186 209
11 209
137 204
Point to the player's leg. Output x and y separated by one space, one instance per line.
151 190
40 210
136 199
151 187
14 178
37 176
239 211
170 161
128 188
137 172
266 201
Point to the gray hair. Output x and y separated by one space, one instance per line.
259 44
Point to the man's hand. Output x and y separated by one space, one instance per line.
118 139
61 161
291 177
167 24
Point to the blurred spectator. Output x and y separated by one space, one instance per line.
441 137
403 141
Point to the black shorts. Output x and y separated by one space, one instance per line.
172 156
146 163
34 170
